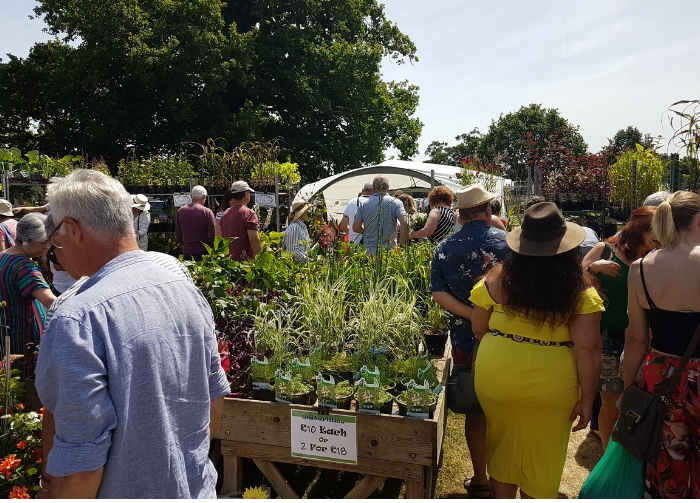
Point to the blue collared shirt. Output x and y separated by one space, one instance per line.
458 263
128 367
378 215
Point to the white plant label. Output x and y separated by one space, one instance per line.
328 437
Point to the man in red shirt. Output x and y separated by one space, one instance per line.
241 222
194 226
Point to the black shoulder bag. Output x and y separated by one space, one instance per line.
642 414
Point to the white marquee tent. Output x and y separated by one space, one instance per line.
339 189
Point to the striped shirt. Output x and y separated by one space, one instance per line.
165 261
19 279
445 224
296 240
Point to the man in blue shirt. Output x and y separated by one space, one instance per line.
458 263
377 216
129 370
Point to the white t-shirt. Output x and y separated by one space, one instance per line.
62 281
350 210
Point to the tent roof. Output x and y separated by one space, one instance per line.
339 189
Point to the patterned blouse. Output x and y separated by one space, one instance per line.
19 278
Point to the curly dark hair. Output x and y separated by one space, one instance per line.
544 289
440 194
631 237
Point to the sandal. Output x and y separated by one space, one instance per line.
477 491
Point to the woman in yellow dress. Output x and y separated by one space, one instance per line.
537 368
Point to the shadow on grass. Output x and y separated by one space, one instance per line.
589 452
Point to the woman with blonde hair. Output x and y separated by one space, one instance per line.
441 218
664 311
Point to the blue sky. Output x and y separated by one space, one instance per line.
604 64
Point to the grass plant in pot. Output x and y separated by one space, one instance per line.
436 336
334 395
294 390
419 404
372 399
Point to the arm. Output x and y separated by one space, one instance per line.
83 485
144 222
429 227
45 296
597 265
255 243
403 229
2 246
496 222
453 304
211 232
585 332
637 336
480 321
178 229
48 430
216 407
357 226
344 224
217 227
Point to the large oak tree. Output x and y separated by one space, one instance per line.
149 75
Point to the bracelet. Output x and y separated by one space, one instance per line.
589 270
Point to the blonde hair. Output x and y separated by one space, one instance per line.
675 213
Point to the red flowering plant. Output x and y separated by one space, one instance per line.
20 443
474 170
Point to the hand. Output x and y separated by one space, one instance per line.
583 411
607 267
18 211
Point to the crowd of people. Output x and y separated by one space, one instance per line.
548 321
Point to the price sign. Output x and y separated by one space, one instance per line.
331 437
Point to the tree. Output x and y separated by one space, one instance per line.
440 153
626 139
507 136
150 75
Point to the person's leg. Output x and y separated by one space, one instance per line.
594 416
475 433
608 416
503 491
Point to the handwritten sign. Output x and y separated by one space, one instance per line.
331 437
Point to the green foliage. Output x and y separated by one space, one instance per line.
626 139
650 173
684 118
440 153
156 170
148 76
506 137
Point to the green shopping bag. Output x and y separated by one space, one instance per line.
618 475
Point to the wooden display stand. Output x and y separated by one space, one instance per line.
388 446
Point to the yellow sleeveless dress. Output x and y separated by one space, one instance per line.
528 392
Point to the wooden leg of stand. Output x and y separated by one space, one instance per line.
415 489
233 474
275 478
365 487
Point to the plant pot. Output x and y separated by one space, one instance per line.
304 398
597 205
435 343
403 408
566 206
264 391
391 388
343 402
339 375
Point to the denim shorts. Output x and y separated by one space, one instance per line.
610 379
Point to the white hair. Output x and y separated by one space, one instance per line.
198 192
100 204
30 229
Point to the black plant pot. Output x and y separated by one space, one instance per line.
435 343
567 206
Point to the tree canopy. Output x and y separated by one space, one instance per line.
439 152
506 137
146 76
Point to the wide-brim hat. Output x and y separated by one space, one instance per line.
140 202
544 232
472 196
298 209
6 208
240 186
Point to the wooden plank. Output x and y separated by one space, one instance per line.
233 473
283 455
440 415
365 487
414 489
429 481
384 437
276 480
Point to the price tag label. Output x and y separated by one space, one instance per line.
331 437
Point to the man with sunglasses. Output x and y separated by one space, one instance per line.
129 371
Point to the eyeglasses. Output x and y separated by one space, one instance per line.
52 256
53 235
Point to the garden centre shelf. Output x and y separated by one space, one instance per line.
388 446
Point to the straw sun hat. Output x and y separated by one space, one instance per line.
140 202
298 209
544 232
472 196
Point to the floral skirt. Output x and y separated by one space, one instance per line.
677 472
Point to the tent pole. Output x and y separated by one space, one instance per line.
432 179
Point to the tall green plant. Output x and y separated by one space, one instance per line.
650 174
